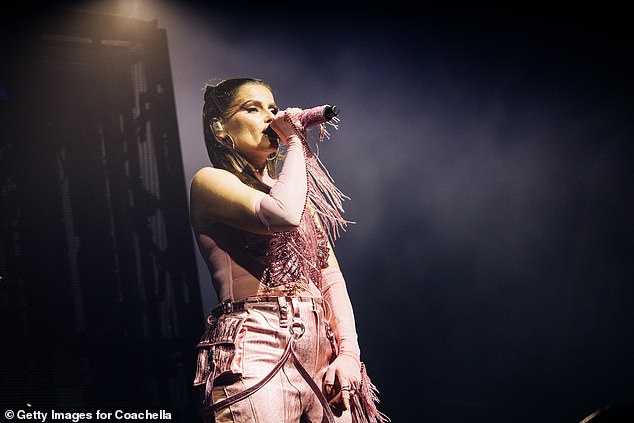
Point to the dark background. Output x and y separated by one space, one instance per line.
487 153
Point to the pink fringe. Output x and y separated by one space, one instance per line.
324 196
363 405
327 200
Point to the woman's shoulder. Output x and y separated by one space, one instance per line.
218 195
207 194
211 172
210 176
211 185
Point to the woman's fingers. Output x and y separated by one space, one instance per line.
345 391
286 123
347 386
329 380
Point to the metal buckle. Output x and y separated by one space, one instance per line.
227 307
222 308
329 333
301 327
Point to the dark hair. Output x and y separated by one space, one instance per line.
219 103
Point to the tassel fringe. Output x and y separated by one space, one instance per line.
363 405
324 196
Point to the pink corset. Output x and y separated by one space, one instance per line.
291 259
291 256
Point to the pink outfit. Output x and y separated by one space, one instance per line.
252 350
250 365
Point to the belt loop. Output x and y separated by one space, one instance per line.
283 311
295 306
297 327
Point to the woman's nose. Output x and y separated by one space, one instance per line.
269 116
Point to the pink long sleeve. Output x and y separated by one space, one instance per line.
335 293
283 207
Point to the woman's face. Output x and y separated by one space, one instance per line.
252 112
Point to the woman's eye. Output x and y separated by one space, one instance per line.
275 110
252 109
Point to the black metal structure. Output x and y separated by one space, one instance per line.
99 297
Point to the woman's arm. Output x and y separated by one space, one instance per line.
284 206
335 291
347 366
219 196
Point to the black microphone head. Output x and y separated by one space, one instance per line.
331 111
271 133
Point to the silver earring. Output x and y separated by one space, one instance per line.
274 155
216 126
233 143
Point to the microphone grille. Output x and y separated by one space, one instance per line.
331 112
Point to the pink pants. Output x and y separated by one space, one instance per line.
244 347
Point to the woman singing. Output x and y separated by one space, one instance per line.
281 345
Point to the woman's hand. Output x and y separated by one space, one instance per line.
342 381
286 124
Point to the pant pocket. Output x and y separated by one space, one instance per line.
220 350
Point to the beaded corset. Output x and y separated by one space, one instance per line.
291 258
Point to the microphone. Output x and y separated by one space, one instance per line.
311 117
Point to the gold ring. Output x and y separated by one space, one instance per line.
345 388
